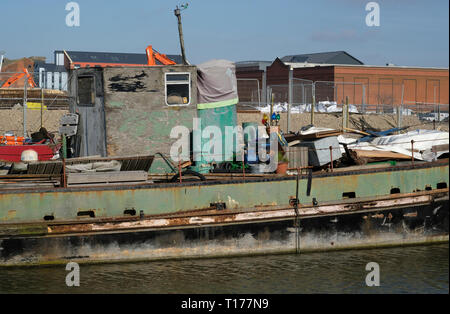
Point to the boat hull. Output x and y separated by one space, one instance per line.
409 225
369 208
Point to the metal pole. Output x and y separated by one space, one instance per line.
313 105
303 93
290 96
25 84
439 113
271 108
363 106
64 177
42 106
400 113
347 113
2 54
259 94
180 31
64 146
264 88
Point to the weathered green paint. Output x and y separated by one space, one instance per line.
137 118
65 204
220 117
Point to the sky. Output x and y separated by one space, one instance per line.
411 32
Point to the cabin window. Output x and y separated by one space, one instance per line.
178 89
86 91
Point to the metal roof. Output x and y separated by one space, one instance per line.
295 65
114 57
262 65
334 57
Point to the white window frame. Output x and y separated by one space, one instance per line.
177 83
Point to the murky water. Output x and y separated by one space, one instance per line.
421 269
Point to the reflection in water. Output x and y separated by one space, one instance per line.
422 269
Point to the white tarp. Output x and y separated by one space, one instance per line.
424 140
321 107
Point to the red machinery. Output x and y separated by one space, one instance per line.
18 76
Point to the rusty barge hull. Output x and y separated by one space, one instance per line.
273 232
395 206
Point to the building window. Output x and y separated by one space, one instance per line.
86 91
178 89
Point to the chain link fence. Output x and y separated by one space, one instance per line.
250 94
362 97
19 88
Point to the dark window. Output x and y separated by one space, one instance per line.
131 212
86 91
395 191
349 195
177 77
89 213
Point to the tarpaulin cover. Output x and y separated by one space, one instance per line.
216 84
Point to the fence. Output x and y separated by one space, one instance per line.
16 90
381 98
250 93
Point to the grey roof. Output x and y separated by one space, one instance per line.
334 57
261 65
114 57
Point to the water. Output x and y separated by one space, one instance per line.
421 269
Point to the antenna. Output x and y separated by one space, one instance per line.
2 54
177 12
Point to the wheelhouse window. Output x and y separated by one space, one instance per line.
86 91
178 89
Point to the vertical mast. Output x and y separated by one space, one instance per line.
177 12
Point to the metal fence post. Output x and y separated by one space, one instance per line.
290 98
439 113
303 94
264 87
25 85
363 106
313 105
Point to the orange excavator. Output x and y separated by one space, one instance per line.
18 76
153 54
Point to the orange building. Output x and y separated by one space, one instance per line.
370 85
